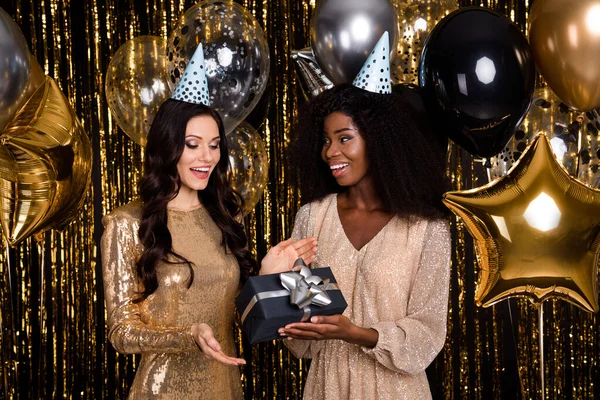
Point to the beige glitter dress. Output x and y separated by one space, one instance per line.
397 284
172 366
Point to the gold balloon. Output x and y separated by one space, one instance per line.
45 165
416 19
536 232
137 83
565 42
574 137
248 164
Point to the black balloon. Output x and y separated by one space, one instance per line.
478 75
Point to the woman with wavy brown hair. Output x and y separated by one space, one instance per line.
174 260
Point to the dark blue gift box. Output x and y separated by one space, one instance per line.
262 317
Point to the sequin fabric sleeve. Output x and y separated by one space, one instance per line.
410 344
303 228
127 332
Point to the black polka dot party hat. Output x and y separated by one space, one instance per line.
192 86
374 75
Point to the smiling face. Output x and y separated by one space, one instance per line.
344 149
201 154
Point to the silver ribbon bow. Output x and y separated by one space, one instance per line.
305 288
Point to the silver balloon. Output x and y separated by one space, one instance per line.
248 164
311 78
344 32
236 56
574 137
416 19
14 68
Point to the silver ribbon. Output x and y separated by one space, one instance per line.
304 289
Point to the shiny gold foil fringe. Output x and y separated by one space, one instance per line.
56 347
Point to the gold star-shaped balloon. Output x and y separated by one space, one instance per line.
536 232
45 165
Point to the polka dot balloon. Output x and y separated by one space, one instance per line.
137 84
248 164
236 56
573 136
416 19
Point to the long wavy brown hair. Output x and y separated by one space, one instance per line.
160 184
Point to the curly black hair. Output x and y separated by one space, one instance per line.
160 184
406 162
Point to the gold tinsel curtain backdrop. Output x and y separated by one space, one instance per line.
53 335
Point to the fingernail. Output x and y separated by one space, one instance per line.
314 320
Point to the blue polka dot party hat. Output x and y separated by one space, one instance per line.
192 86
374 76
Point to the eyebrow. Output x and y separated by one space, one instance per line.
340 130
198 137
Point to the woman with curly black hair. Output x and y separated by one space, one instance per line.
372 183
174 260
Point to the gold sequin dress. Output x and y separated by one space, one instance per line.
396 284
172 366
